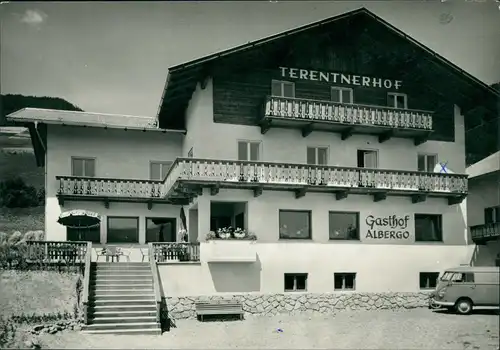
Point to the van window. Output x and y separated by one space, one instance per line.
466 277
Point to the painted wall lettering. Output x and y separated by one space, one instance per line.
339 78
388 227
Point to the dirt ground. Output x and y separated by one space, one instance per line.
413 329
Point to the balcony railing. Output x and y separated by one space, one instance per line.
176 251
485 232
409 123
318 178
106 187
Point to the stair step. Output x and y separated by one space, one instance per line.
101 286
122 308
100 277
107 314
117 326
124 263
117 297
148 331
119 320
127 300
105 281
121 273
102 292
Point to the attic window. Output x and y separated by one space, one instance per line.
397 100
281 88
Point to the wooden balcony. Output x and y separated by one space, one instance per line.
188 176
346 119
483 233
113 190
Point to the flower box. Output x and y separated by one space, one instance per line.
229 250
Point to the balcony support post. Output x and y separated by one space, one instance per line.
257 191
106 203
60 200
265 126
341 195
418 198
307 130
455 200
380 196
300 193
346 133
150 205
385 136
214 190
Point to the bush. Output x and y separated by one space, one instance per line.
15 193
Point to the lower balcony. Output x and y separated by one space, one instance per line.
486 232
109 190
188 176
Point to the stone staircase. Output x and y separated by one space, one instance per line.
121 299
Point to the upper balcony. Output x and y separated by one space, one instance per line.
346 119
486 232
188 176
114 190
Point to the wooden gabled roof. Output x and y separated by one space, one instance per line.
182 79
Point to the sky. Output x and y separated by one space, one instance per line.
114 57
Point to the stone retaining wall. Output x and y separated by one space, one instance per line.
272 304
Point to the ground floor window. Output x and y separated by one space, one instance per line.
345 281
428 280
295 224
295 282
428 228
160 230
344 225
88 234
123 230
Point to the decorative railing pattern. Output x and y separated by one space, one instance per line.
171 252
106 187
486 231
312 175
55 252
312 110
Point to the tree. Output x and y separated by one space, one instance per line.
14 193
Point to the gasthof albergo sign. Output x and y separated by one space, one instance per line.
398 229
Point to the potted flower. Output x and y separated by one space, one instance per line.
224 233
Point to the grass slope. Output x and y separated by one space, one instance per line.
22 219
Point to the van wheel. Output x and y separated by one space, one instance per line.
463 306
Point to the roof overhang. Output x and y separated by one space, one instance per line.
486 166
182 79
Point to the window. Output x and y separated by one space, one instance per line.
123 230
282 88
249 150
397 100
88 234
492 215
428 228
342 95
427 162
317 155
160 230
295 224
367 159
428 280
467 277
295 282
158 170
345 281
344 225
83 167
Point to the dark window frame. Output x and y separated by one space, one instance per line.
426 161
295 275
122 217
357 213
248 146
340 90
343 275
440 227
492 214
282 84
309 212
316 154
161 163
428 277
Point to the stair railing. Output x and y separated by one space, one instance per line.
156 280
86 281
